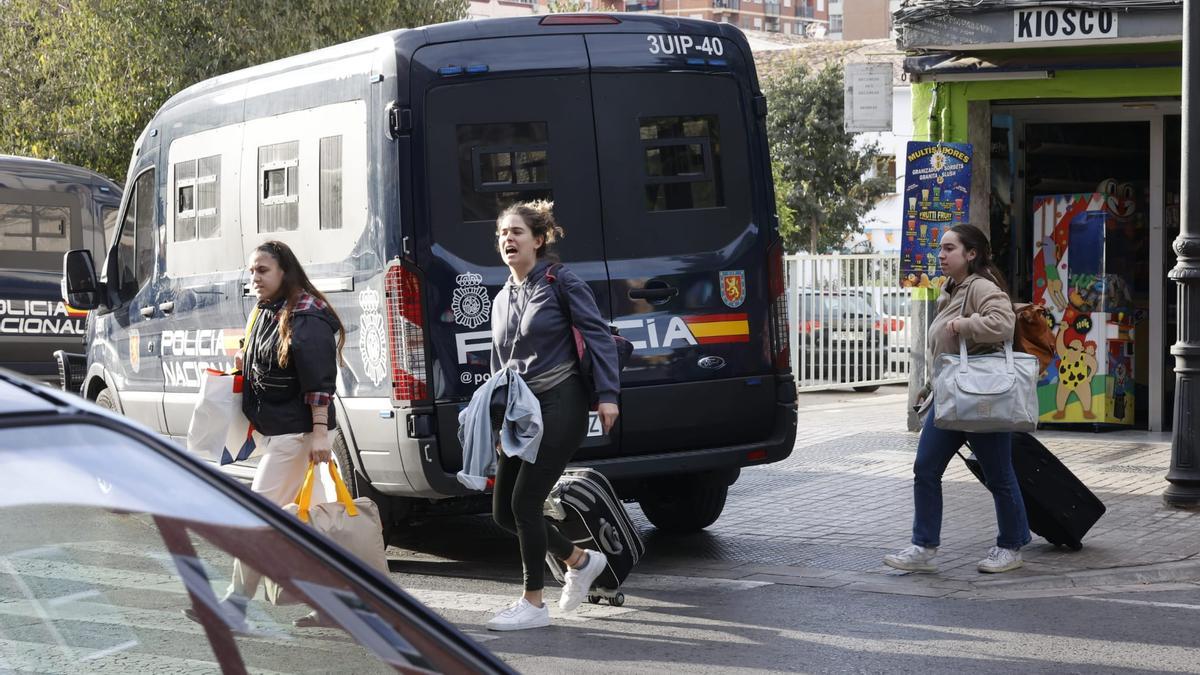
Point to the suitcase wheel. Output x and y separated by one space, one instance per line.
616 599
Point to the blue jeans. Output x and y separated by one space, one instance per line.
994 452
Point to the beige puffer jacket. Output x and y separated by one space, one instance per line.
988 313
989 321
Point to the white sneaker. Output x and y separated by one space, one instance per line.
912 559
1000 560
579 581
519 616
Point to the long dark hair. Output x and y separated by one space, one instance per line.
295 281
973 239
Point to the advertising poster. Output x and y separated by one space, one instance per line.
937 192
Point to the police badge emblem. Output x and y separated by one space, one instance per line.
733 288
372 341
470 302
135 350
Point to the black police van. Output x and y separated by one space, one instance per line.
385 161
46 209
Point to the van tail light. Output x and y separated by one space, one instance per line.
406 333
779 307
889 325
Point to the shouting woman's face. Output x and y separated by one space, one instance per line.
518 247
266 276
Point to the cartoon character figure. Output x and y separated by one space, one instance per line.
1054 284
1076 369
1120 198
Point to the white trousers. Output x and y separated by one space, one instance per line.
278 477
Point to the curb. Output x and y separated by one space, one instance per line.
1187 569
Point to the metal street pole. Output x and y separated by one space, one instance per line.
1184 474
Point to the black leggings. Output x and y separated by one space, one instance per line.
521 488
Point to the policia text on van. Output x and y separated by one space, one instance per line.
384 162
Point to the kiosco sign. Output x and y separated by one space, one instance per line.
1063 23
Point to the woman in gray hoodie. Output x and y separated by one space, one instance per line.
531 334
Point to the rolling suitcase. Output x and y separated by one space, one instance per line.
584 507
1060 508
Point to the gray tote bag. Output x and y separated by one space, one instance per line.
985 392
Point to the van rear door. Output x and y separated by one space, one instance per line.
493 138
686 249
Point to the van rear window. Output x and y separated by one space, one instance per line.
682 162
28 227
501 164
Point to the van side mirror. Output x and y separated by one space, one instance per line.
81 288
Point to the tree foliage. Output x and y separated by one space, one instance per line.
79 79
564 6
824 170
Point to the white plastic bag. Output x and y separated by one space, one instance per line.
219 430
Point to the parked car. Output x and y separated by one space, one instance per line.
110 532
384 162
894 305
842 339
46 209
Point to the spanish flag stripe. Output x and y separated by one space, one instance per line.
718 339
706 318
714 328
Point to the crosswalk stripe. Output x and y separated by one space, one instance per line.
1146 603
268 629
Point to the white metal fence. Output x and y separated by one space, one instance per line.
851 322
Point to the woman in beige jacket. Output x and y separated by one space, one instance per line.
974 306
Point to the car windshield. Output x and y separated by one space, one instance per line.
106 542
855 304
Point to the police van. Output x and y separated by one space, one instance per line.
46 209
384 162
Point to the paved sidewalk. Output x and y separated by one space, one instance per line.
826 515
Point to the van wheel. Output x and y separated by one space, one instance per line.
685 504
359 486
105 400
868 388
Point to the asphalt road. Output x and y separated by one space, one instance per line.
709 625
103 596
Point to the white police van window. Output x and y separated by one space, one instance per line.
185 201
501 164
208 197
135 246
197 199
682 162
331 183
279 170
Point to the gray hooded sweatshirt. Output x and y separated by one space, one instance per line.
529 324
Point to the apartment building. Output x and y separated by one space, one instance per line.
792 17
861 19
490 9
